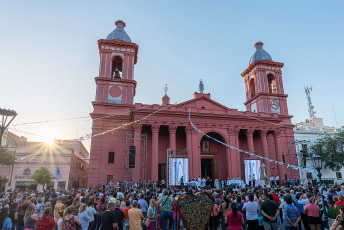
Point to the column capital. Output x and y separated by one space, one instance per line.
277 133
188 129
263 133
233 131
155 128
137 127
249 132
172 128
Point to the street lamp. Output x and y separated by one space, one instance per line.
7 117
317 165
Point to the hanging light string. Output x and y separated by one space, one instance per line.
123 125
89 136
243 151
75 118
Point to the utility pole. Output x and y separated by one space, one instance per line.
6 115
310 105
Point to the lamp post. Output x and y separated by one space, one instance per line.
317 160
14 160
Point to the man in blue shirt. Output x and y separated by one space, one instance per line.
143 205
342 191
291 215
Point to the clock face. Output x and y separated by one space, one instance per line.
275 104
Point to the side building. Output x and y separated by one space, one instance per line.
67 161
306 134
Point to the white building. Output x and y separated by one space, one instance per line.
306 133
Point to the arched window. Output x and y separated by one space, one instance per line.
252 88
117 64
272 83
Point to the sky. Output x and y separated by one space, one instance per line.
49 55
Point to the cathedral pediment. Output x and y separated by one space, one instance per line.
203 102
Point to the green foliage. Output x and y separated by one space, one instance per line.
331 149
3 180
6 157
42 176
333 212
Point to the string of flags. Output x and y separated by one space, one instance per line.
123 125
107 131
246 152
75 118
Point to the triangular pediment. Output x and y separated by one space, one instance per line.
203 103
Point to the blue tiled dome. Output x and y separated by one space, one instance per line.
119 32
260 53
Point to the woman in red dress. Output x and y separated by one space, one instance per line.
46 222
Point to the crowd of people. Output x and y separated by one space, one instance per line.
153 206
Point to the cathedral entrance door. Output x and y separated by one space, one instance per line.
207 168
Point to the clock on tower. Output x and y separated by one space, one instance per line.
264 85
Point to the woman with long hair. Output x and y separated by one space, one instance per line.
76 204
46 222
69 219
83 217
20 220
234 218
313 212
14 215
225 207
30 218
5 221
151 214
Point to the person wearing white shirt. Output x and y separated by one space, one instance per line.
251 208
277 180
203 182
228 182
253 180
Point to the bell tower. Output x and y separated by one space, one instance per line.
264 85
118 55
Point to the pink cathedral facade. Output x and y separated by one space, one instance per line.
264 128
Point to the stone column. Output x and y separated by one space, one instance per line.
238 154
188 131
249 136
172 130
235 158
138 160
229 163
277 136
155 152
264 141
196 154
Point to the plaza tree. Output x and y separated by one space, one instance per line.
42 176
6 156
331 150
3 180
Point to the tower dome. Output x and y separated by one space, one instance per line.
119 32
260 53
